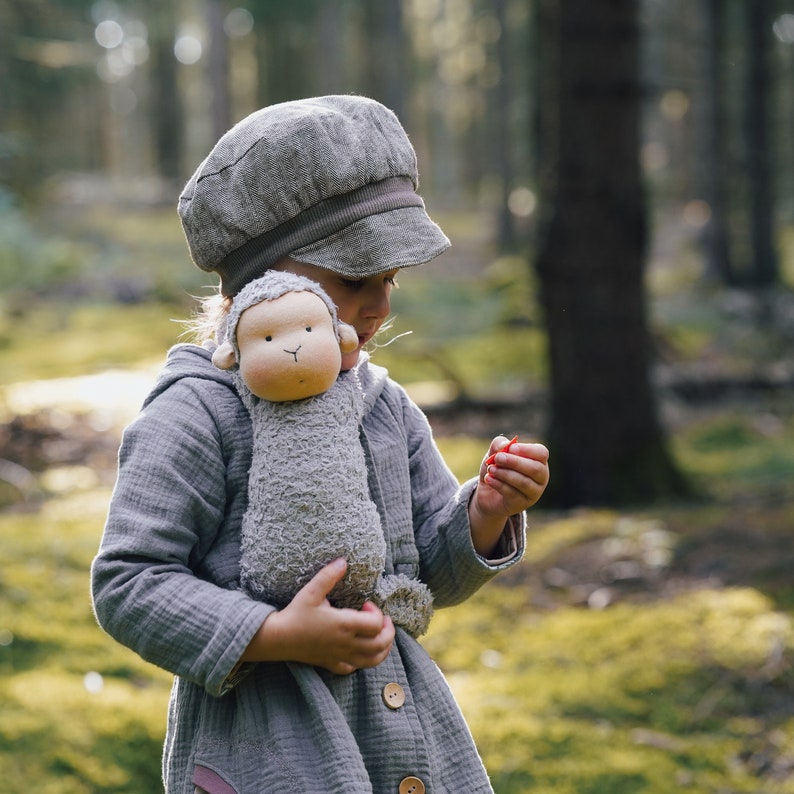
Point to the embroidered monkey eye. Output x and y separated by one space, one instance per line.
268 338
309 328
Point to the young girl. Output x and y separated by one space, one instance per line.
308 699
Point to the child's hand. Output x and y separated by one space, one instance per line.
311 631
512 479
512 482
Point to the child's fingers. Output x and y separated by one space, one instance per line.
517 456
371 634
538 452
524 458
382 626
499 443
370 620
533 451
321 584
514 468
522 473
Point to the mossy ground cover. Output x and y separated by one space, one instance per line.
79 714
691 692
639 652
647 651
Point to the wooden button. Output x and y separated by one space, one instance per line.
412 785
393 696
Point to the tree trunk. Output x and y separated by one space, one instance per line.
606 442
285 44
166 112
713 159
764 268
505 226
218 69
386 50
330 49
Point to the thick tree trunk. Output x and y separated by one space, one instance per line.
606 442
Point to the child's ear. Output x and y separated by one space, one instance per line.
348 338
224 356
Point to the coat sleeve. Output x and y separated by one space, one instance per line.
449 564
152 588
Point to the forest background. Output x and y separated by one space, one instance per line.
617 179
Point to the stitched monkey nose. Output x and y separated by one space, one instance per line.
294 353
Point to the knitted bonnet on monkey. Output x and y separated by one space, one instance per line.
308 493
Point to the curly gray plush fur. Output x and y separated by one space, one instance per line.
308 493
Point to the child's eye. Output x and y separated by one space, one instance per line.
357 284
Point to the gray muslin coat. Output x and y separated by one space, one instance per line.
166 583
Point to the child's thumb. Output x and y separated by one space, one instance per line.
326 579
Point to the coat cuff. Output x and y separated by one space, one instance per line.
510 547
230 671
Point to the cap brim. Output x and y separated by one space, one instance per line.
378 243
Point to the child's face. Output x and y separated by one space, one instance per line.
363 303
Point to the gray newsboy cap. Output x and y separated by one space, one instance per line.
331 181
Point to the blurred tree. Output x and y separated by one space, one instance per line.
218 68
604 434
385 53
759 16
330 51
502 100
166 112
783 115
46 59
739 156
285 47
713 157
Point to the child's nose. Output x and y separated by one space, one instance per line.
378 303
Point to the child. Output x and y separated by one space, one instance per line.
309 698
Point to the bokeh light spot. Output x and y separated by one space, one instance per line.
188 49
109 34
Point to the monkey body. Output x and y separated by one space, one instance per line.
309 498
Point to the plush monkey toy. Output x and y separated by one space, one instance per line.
308 493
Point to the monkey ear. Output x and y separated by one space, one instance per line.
348 338
224 356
